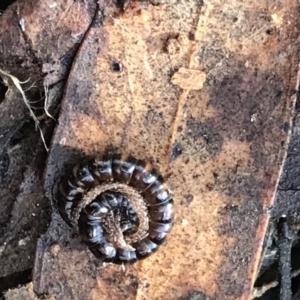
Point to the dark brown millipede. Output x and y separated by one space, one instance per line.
120 205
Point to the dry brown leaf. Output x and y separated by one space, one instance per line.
221 162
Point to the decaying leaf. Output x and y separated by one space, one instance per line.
188 79
221 162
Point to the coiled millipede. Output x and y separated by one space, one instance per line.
120 206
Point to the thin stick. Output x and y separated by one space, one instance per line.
17 84
46 102
285 247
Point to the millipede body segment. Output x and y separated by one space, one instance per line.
121 207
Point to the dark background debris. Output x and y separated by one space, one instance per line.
24 211
281 263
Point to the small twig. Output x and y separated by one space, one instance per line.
285 241
17 84
259 291
46 102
